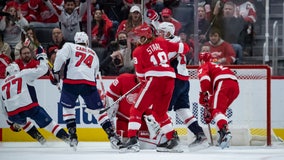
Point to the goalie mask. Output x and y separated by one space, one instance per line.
12 69
81 37
166 29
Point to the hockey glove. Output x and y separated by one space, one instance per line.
14 126
203 98
41 56
54 77
152 15
207 115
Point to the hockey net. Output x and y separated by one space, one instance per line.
248 116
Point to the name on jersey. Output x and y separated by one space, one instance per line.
153 47
84 49
9 78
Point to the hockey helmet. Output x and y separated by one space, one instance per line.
12 69
143 30
167 27
81 37
205 56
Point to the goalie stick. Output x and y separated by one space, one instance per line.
120 98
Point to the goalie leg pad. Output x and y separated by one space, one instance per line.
153 126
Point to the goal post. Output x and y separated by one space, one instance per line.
249 116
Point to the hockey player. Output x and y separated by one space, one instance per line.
119 111
180 99
20 101
157 77
81 68
219 88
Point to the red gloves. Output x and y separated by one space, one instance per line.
204 99
152 15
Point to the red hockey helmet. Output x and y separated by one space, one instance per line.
205 56
143 30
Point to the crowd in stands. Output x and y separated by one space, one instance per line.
226 27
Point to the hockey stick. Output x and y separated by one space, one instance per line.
210 135
38 47
120 98
103 95
210 26
209 127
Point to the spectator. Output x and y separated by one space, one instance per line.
118 57
205 48
69 17
134 20
23 6
26 59
248 12
57 39
45 17
203 24
167 17
28 39
100 29
5 47
12 25
203 27
220 49
234 29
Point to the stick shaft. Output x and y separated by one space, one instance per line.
120 98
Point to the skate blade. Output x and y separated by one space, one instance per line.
74 144
129 149
226 144
199 146
173 150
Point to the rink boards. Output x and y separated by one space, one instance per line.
88 129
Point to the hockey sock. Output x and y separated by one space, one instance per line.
35 134
195 128
71 126
107 127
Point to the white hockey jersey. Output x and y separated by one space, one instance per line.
180 67
82 64
18 92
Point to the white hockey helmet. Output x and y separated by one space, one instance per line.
12 69
81 37
167 27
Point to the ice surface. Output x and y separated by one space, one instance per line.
102 151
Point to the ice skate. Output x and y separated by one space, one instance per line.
132 145
170 146
225 137
73 141
40 139
73 138
200 141
115 142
